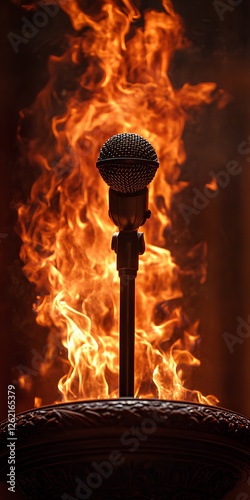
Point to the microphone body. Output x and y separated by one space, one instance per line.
129 211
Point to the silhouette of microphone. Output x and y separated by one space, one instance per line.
127 163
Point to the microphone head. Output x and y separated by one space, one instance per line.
127 162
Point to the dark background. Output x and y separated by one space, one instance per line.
220 53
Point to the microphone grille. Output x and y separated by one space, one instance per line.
127 162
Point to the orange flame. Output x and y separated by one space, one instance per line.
113 78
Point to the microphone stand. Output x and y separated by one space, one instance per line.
128 245
128 212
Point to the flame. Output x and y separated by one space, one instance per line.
112 78
37 402
212 185
25 382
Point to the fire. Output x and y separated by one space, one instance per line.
113 78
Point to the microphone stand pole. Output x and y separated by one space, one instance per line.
128 212
128 245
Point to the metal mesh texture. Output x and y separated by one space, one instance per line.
127 177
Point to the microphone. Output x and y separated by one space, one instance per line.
128 163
